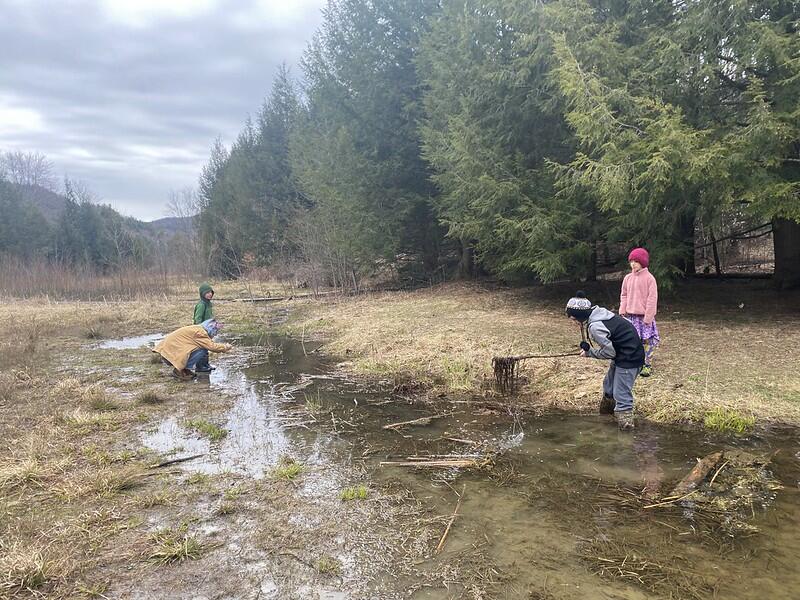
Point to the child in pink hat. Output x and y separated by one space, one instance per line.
638 302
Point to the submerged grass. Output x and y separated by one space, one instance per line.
358 492
213 432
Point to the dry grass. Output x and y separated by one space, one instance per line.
447 336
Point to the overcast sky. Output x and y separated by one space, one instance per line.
128 95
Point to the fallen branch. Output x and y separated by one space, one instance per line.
440 546
175 461
420 421
700 471
456 463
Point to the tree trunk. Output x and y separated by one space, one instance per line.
466 266
686 232
786 239
717 265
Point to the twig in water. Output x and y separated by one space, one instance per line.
440 546
420 421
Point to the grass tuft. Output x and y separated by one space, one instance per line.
22 570
327 565
358 492
198 479
288 470
90 421
108 482
208 429
19 473
173 544
150 397
721 419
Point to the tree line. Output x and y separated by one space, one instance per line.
77 231
525 140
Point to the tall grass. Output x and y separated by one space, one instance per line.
39 277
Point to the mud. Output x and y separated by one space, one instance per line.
561 514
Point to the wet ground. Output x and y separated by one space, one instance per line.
564 510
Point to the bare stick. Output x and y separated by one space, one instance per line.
450 522
420 421
175 461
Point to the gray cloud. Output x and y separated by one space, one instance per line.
129 96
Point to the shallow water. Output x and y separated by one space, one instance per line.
544 521
130 343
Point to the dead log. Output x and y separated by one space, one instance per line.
698 474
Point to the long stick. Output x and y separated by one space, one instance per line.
175 461
420 421
450 522
526 356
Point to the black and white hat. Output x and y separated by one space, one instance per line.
579 307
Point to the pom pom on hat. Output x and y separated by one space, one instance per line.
641 256
579 306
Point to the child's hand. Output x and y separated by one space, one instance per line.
584 354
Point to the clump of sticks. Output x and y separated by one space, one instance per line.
506 371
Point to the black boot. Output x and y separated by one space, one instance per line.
607 405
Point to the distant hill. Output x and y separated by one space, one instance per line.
169 225
51 205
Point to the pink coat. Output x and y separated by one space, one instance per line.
639 295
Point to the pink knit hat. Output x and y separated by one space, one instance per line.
641 256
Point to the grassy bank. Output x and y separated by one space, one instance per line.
725 351
81 508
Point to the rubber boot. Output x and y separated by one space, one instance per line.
624 419
607 405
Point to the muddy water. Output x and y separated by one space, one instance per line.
551 520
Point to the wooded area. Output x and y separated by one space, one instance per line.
528 141
520 139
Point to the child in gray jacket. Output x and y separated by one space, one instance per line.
616 340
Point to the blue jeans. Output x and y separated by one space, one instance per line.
619 385
198 358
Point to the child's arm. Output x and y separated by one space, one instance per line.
651 304
623 297
600 334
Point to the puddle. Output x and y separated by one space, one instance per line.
545 523
130 343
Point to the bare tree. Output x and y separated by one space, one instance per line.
28 168
184 205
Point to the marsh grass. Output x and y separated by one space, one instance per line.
213 432
726 420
